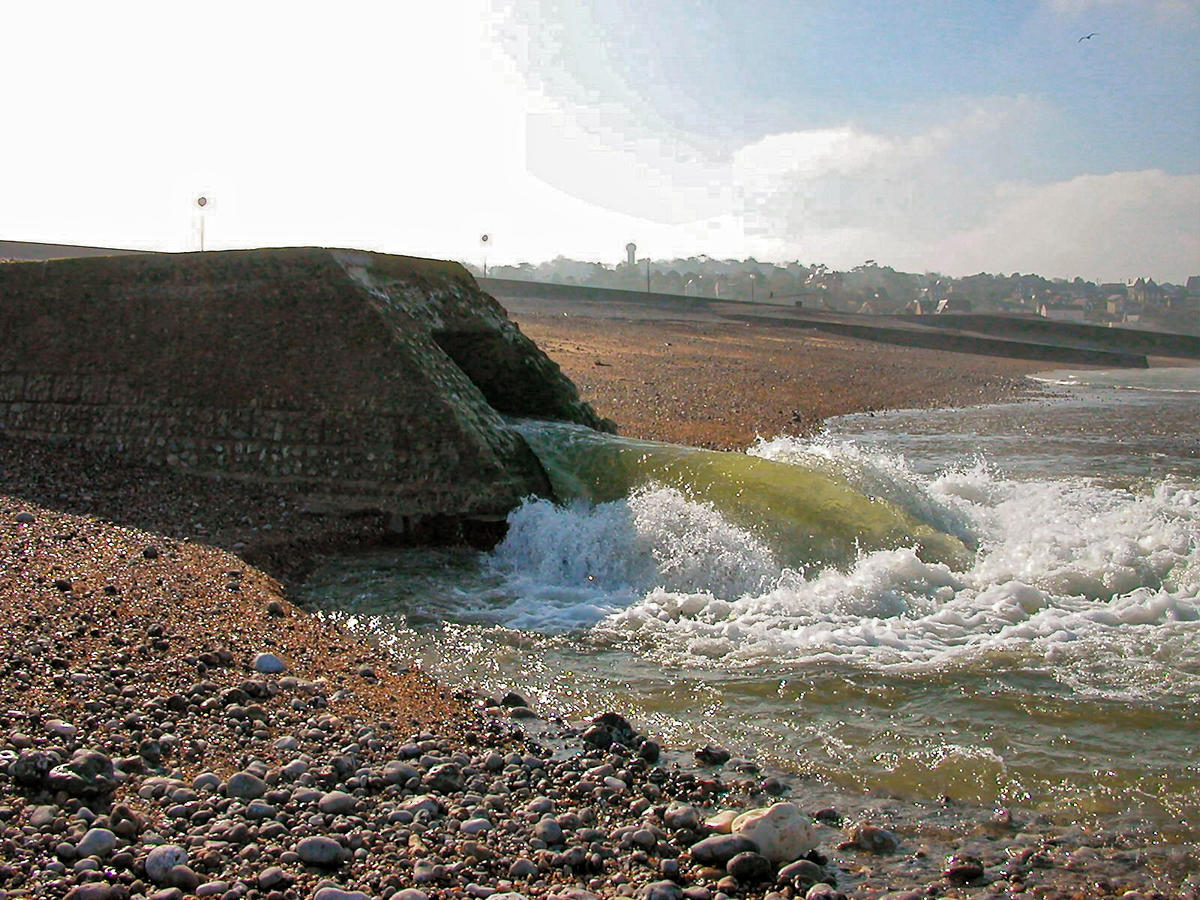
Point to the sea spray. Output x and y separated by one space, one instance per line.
655 537
1056 665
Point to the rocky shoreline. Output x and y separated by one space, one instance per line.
173 726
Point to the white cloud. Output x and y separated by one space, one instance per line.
1111 227
934 200
1163 9
836 188
602 156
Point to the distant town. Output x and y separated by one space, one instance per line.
880 290
868 289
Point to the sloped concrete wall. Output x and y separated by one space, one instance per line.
318 368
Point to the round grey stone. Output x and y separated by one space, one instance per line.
662 890
333 893
804 871
91 891
320 851
162 859
260 809
475 826
336 803
548 830
97 842
271 878
750 868
522 868
269 664
719 849
245 786
681 816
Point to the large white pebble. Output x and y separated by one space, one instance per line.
782 832
722 822
162 860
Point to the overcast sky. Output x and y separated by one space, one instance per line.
953 136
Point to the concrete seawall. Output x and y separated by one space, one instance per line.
1079 334
368 380
959 342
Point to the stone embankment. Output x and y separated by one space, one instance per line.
368 381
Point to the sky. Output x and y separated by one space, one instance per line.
954 136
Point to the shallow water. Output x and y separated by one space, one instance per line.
1018 622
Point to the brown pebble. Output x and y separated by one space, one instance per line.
962 868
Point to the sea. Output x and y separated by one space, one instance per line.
995 607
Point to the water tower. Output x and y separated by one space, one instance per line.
631 253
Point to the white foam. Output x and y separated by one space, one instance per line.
1059 563
569 566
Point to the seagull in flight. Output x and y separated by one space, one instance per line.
1087 37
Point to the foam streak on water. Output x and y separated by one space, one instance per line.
1052 661
1057 562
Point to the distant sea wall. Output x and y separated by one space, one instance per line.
511 287
364 379
955 341
1079 334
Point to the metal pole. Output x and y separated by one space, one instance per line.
201 202
647 276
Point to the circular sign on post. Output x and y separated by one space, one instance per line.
484 239
202 202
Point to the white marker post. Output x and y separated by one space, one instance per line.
202 202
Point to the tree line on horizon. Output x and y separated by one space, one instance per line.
867 288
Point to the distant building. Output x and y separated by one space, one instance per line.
920 306
1062 313
1144 292
953 304
631 253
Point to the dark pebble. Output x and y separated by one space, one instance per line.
713 755
719 849
749 867
962 868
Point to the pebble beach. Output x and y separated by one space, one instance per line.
171 725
